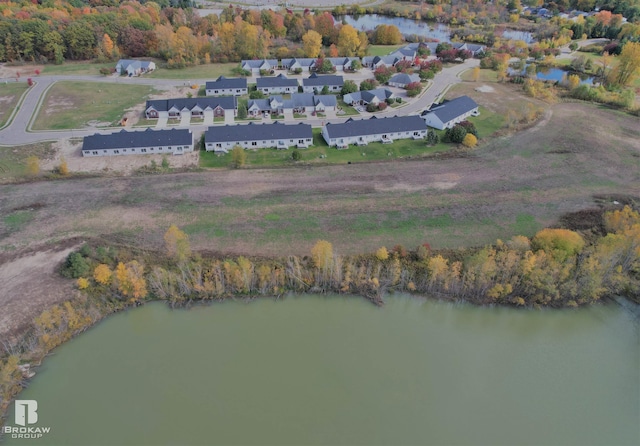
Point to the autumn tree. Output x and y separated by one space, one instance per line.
382 254
348 41
177 243
322 254
560 243
130 281
628 64
63 167
312 43
33 166
475 74
238 157
573 81
469 140
102 274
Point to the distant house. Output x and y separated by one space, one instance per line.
305 64
278 84
374 62
368 97
385 130
342 63
134 67
221 139
310 103
272 105
223 86
315 83
405 53
401 80
200 107
147 142
299 103
254 66
449 113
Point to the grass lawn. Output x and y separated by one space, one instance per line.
10 94
485 76
347 109
323 154
72 105
382 50
487 123
210 71
78 68
13 159
146 123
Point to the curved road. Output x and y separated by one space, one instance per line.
18 131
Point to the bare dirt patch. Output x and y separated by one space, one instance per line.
24 71
485 89
30 284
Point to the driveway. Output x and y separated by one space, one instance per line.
228 118
208 117
162 122
185 120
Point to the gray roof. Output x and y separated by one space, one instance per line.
227 82
316 80
342 60
279 81
304 62
136 63
260 62
266 104
449 110
257 132
368 95
375 126
404 78
310 100
225 102
147 138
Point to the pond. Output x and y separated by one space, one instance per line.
338 370
554 74
367 22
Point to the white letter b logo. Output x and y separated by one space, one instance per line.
26 412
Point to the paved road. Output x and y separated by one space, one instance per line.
19 132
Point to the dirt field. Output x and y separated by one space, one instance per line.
579 157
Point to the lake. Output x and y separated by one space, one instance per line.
553 74
367 22
335 370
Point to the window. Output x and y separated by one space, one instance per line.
116 151
254 143
151 149
144 150
95 152
416 133
104 151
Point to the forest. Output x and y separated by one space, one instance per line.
57 31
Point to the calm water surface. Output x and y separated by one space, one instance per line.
334 370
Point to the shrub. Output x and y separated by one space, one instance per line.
561 243
469 140
432 138
296 155
382 254
455 134
82 283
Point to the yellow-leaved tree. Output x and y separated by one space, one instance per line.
382 253
312 44
177 243
322 254
470 140
102 274
129 280
33 166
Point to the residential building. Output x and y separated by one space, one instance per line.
303 64
235 86
449 113
315 83
385 130
146 142
134 67
278 84
254 66
222 139
368 97
342 63
374 62
299 103
401 80
195 107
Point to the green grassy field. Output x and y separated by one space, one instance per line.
10 94
71 105
382 50
210 71
13 159
320 153
77 68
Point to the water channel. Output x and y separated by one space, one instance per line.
335 370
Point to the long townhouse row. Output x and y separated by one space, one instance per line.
221 139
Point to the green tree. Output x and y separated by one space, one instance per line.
238 157
432 138
296 155
242 110
80 40
349 87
